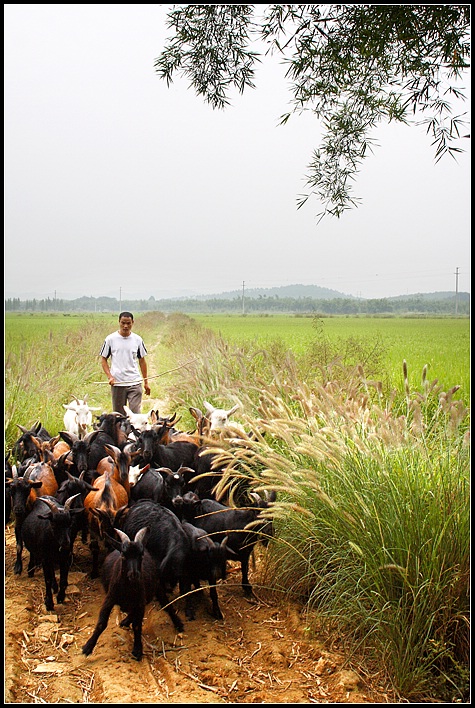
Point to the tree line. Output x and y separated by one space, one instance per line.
261 305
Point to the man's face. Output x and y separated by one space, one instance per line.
125 326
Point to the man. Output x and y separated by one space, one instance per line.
125 349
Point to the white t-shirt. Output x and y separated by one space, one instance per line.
124 353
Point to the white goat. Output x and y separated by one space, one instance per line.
140 421
218 417
78 417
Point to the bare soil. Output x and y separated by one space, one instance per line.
259 653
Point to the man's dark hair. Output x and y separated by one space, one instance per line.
126 314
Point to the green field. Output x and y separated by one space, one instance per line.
441 343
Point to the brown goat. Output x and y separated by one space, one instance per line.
101 506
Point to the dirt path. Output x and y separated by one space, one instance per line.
257 654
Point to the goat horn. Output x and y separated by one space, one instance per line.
140 535
166 470
22 428
112 450
123 536
69 501
14 472
49 503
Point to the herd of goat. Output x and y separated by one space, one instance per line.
141 491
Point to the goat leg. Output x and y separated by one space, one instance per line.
50 581
32 565
246 585
137 620
64 564
19 549
169 609
102 622
216 611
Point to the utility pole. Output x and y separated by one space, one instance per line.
243 297
456 291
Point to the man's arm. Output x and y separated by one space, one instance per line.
106 370
143 369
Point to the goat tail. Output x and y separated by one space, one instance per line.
167 568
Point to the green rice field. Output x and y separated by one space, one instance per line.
442 344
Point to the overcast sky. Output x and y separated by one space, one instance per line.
115 183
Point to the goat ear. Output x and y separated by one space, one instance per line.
70 438
90 436
196 413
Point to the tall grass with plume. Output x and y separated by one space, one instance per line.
372 513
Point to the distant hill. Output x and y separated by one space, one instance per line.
315 292
440 295
295 291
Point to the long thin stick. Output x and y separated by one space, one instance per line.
157 375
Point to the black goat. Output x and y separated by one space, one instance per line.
80 452
243 527
174 455
207 561
87 453
38 480
147 483
76 487
208 472
175 484
130 579
27 444
168 544
46 533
